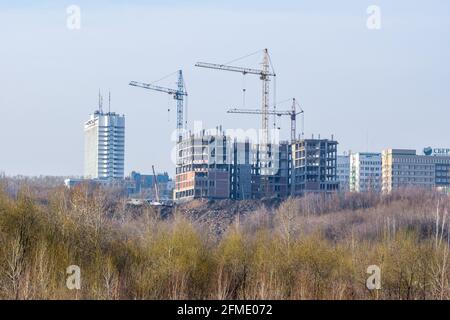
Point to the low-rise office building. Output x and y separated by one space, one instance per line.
343 172
143 185
365 172
402 168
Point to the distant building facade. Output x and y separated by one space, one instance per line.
122 185
146 181
73 182
365 172
143 185
402 168
442 173
104 154
343 172
314 166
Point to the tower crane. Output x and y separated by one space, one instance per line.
292 113
264 74
178 94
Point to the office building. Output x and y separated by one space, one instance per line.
343 172
365 172
403 168
144 184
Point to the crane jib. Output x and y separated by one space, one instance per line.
242 70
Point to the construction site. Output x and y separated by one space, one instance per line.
211 164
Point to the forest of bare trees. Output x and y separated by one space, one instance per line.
315 247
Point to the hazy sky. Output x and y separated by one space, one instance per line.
372 89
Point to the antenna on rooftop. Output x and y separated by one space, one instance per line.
109 102
100 101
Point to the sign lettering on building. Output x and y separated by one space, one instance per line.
429 151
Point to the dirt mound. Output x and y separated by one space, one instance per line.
219 214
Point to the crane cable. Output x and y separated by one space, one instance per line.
168 99
185 112
274 102
244 90
302 113
274 91
165 77
168 108
243 57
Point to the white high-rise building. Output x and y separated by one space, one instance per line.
104 152
365 172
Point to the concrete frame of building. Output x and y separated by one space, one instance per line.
203 167
314 166
216 166
275 179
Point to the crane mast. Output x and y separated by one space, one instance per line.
265 100
179 96
264 74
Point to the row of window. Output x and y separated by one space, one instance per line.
413 173
370 163
412 180
423 160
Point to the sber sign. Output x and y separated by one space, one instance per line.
428 151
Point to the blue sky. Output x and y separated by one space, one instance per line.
372 89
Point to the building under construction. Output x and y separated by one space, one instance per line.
314 166
216 166
203 166
272 178
213 165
